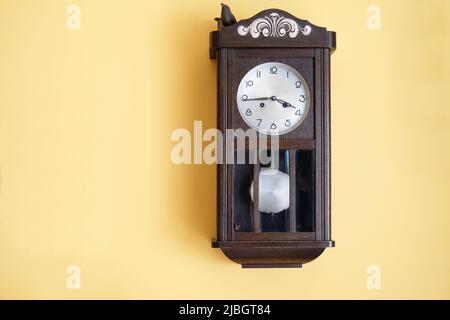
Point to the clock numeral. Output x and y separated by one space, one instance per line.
249 83
248 112
287 74
298 84
273 70
258 73
244 97
297 113
302 98
288 123
259 121
273 126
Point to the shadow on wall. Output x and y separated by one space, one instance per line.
195 100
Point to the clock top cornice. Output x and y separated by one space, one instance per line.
271 28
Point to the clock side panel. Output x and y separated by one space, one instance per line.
322 144
318 78
223 228
327 143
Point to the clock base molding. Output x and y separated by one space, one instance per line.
270 266
272 254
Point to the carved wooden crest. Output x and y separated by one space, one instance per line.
274 25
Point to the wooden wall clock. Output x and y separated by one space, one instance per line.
274 77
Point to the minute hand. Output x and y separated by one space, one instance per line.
257 99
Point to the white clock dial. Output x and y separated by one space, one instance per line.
273 98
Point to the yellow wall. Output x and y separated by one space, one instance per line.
86 177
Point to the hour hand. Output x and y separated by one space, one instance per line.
285 104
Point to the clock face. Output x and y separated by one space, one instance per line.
273 98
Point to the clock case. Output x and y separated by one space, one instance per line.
301 233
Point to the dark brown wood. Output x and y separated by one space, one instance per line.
326 145
274 236
310 55
314 244
263 255
294 53
273 253
267 265
319 150
228 110
222 181
283 144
